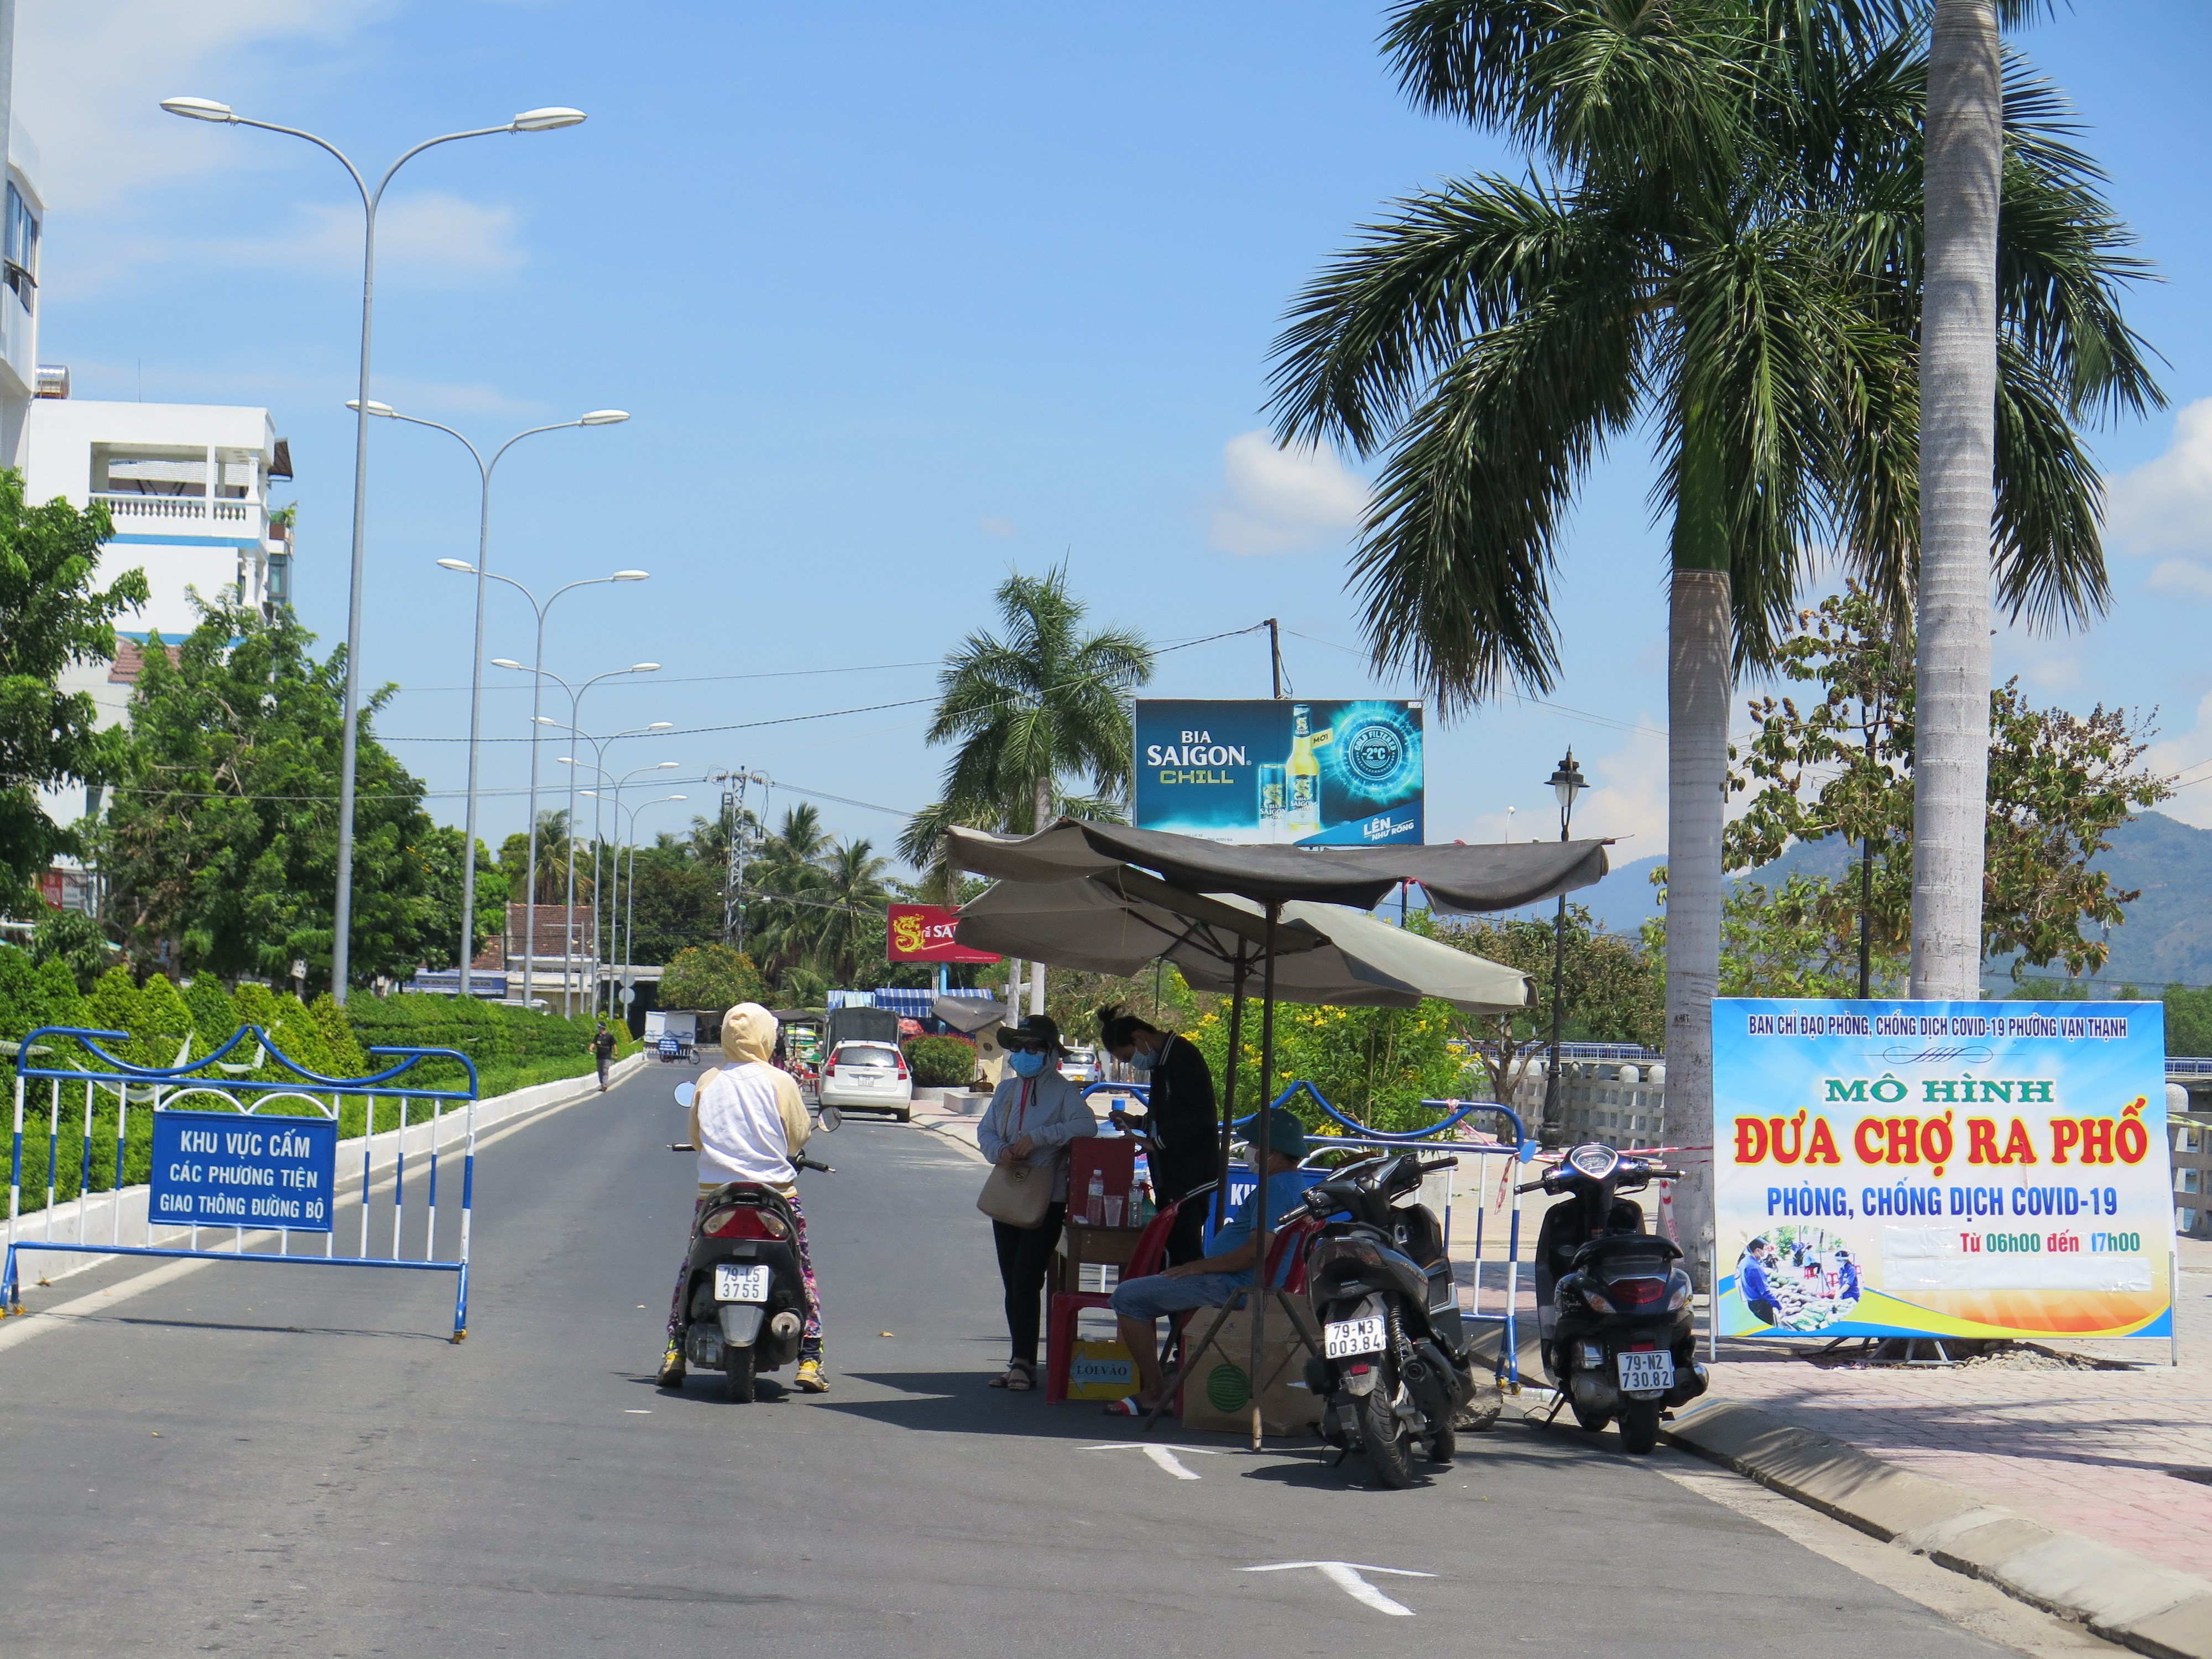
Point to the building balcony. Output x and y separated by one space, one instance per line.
185 516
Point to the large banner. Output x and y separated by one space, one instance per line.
923 932
1281 772
1942 1168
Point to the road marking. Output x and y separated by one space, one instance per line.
1345 1575
1163 1455
638 1410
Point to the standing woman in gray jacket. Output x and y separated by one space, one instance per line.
1031 1119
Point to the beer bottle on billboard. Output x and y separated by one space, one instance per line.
1302 816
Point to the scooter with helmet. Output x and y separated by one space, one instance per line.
1614 1314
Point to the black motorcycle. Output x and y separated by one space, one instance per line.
1612 1311
1396 1371
744 1295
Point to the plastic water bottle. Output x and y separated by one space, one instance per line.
1094 1210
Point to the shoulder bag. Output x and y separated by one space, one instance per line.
1018 1194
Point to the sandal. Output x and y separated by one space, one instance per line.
1129 1405
1019 1378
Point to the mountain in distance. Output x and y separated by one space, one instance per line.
2166 941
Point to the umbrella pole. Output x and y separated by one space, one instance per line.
1262 1220
1229 1092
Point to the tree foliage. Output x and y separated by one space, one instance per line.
1042 707
712 977
220 851
1836 762
52 617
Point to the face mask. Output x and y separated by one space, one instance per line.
1252 1159
1143 1061
1026 1063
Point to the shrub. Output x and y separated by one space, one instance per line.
941 1062
712 977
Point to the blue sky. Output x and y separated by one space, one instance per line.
901 298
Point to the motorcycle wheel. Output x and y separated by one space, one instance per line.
1639 1427
1387 1441
738 1369
1594 1421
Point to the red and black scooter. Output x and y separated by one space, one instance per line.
744 1296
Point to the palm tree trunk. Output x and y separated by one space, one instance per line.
1043 818
1697 679
1699 674
1958 447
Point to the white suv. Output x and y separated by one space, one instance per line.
1081 1064
867 1077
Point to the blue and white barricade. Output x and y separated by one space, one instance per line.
231 1153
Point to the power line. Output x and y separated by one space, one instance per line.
1521 697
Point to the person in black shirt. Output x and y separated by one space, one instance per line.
1182 1134
602 1050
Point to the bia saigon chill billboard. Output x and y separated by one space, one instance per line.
1268 772
1942 1168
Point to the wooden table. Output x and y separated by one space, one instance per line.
1080 1243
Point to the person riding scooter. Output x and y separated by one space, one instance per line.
749 1122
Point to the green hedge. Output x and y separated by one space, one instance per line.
941 1062
512 1048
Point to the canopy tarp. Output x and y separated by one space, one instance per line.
1116 920
1459 879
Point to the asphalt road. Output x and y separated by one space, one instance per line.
255 1460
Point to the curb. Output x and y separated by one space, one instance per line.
949 1128
2117 1596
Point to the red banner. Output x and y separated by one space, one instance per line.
923 932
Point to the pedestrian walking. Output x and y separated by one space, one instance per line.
603 1049
1033 1116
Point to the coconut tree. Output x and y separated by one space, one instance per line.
1041 716
848 926
1720 247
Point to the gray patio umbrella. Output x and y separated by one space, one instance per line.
1280 879
1116 920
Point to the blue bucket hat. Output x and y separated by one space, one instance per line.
1285 1134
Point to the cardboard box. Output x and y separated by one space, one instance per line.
1100 1371
1217 1389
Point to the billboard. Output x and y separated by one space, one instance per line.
1281 771
1942 1168
923 932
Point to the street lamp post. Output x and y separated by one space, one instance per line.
1567 781
532 120
537 696
575 696
615 864
466 952
629 948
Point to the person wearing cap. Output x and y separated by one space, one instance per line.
1179 1126
1033 1116
1847 1276
1751 1278
1212 1280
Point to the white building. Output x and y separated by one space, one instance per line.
22 214
186 487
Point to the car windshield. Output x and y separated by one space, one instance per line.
866 1054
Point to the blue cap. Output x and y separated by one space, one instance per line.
1285 1134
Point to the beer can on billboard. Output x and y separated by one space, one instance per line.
1284 771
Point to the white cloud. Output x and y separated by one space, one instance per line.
2055 674
2182 577
995 526
89 80
1273 500
2188 756
433 240
2164 506
1626 799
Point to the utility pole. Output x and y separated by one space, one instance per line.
740 833
1275 658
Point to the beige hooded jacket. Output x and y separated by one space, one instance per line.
749 1042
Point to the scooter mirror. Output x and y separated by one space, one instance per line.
684 1093
830 1119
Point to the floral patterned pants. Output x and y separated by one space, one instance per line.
809 1338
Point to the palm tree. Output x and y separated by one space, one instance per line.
1962 188
1044 708
849 929
1724 247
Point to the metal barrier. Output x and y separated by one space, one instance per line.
249 1155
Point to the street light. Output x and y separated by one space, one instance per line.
1567 781
598 768
575 696
536 670
484 468
530 121
629 948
